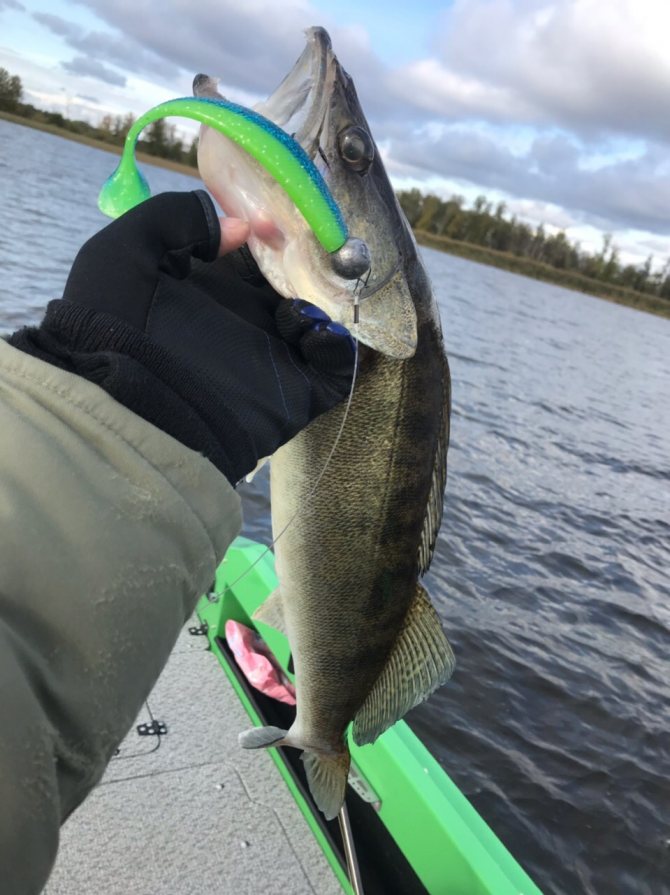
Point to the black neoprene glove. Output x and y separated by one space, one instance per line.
204 349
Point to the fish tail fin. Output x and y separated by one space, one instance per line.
327 778
261 737
327 773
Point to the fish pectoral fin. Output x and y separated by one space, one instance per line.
327 777
262 737
271 612
420 662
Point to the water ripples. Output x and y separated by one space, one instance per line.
550 571
551 575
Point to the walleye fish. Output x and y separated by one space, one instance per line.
367 644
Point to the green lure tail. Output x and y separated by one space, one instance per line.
281 156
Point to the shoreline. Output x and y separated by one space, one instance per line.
142 157
535 270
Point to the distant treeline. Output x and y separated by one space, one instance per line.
483 233
490 227
158 139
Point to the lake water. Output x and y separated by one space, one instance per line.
551 568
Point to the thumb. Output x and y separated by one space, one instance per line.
234 233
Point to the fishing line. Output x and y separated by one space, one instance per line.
159 738
312 492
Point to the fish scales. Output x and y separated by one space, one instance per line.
348 563
358 528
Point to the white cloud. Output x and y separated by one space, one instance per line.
250 45
94 46
554 105
634 192
593 66
432 87
85 65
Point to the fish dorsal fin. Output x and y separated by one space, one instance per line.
271 612
433 517
420 662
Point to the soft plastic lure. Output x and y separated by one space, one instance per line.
281 156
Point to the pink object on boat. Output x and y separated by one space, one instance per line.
257 663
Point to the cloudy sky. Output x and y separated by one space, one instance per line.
559 107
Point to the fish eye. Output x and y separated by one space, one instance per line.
357 148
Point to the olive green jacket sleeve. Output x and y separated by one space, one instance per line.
109 532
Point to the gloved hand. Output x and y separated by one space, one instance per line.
204 349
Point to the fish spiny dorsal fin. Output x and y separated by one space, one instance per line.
433 517
420 662
271 612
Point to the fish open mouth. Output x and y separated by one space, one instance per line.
317 105
299 104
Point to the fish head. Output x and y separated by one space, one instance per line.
318 105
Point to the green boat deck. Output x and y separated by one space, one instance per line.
449 846
192 812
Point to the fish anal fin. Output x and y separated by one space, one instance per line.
327 778
271 612
421 661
